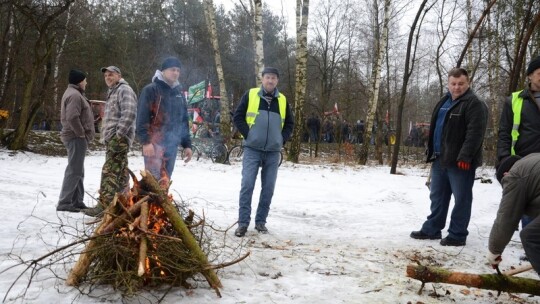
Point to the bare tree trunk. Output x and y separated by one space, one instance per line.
494 281
445 31
56 68
494 81
515 75
41 53
6 49
258 34
224 101
473 32
302 13
376 80
409 67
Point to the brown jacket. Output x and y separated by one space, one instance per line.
76 115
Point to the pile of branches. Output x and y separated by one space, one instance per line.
142 240
145 243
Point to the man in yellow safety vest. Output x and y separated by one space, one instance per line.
266 122
519 126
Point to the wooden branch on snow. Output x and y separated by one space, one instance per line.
494 281
180 227
143 247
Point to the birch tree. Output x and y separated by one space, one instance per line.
302 13
376 80
209 14
258 41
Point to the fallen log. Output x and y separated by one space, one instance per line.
180 226
428 274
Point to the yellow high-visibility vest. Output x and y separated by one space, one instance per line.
253 107
517 104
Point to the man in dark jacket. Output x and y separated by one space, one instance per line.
455 142
265 120
162 121
520 179
77 130
527 105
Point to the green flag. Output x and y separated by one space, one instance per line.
196 92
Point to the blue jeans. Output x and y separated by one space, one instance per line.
444 183
162 162
269 163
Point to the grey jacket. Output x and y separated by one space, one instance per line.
120 113
76 115
521 195
266 134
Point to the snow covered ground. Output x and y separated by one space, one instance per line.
338 234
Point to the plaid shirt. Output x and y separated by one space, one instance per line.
120 113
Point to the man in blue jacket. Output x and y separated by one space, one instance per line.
162 121
266 122
456 134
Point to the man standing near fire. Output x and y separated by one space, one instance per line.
266 122
117 133
77 131
163 122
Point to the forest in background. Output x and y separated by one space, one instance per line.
41 40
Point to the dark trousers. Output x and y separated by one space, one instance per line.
72 192
530 238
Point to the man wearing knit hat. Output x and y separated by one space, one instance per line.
265 120
521 195
117 133
521 109
163 122
78 129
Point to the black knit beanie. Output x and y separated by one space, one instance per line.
506 165
76 76
170 62
533 65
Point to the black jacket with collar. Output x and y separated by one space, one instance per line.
463 131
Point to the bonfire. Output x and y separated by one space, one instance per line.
142 240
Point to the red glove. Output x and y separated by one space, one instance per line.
463 165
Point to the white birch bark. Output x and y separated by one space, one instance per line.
209 14
258 34
302 13
376 81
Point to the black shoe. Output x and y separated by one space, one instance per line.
419 235
81 206
261 228
240 231
94 212
448 241
67 208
